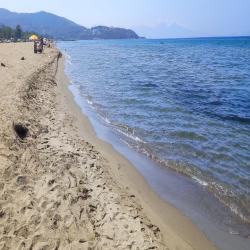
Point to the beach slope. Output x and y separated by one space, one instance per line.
57 191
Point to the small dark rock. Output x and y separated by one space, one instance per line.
92 208
22 180
21 130
3 65
2 213
22 58
51 182
82 241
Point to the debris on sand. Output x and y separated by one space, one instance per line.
21 130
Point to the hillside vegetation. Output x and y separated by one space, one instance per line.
60 28
8 33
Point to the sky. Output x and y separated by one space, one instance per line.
153 18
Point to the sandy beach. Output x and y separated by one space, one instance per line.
61 187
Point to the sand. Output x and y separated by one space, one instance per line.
60 186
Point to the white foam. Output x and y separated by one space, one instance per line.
68 58
89 102
105 119
131 136
201 182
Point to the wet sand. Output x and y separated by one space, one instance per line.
63 188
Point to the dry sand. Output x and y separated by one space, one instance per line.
61 187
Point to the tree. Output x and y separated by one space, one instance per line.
18 32
5 32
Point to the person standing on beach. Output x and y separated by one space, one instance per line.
35 47
40 46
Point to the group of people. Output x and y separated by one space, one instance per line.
40 43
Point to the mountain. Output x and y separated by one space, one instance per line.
164 31
61 28
103 32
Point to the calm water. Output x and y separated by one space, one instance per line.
185 103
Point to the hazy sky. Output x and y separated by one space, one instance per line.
206 17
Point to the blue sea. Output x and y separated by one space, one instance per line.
184 103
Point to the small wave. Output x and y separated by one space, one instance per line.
201 182
150 85
188 135
232 232
68 57
131 136
236 211
216 103
90 102
234 118
126 143
221 192
238 118
105 119
230 199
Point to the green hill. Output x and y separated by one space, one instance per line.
60 28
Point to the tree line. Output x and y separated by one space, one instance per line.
8 33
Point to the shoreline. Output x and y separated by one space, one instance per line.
191 199
222 227
185 150
63 188
167 217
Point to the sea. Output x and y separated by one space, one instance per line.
183 104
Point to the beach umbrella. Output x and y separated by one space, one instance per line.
33 37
